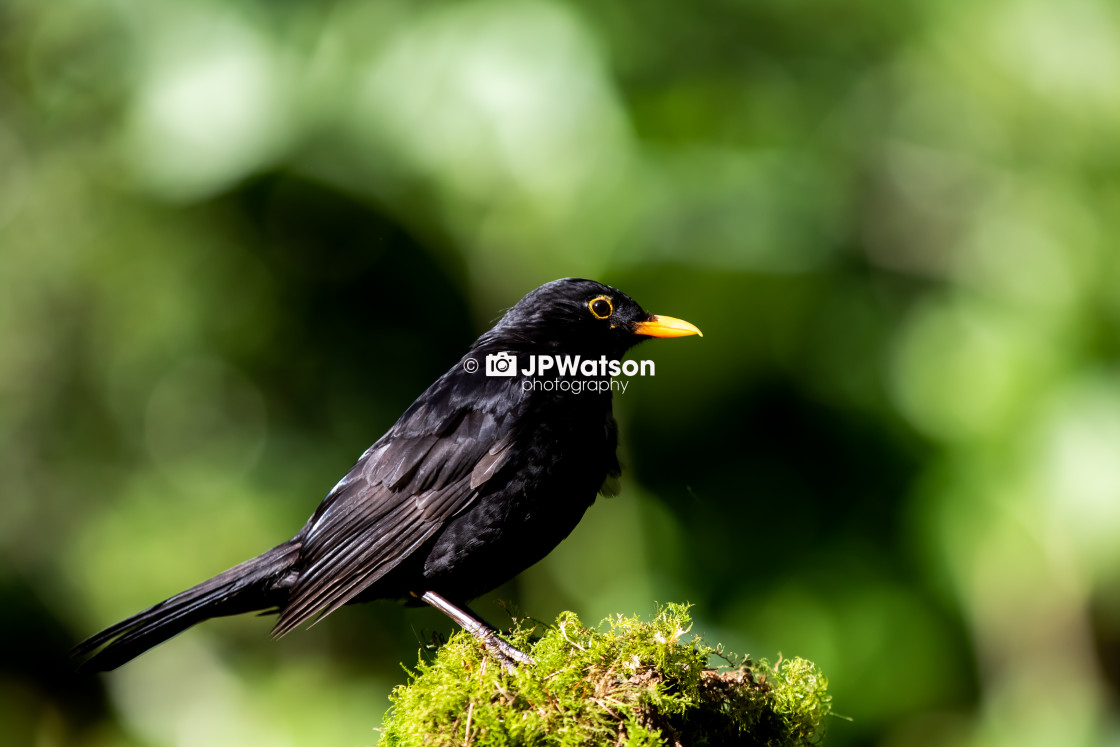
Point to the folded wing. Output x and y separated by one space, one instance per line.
425 470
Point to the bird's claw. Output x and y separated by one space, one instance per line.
508 655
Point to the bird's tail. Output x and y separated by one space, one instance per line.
256 584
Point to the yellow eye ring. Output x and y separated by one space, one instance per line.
601 307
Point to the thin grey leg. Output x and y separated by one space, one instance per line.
476 626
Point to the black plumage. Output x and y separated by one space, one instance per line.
479 479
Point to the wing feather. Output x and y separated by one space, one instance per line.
425 470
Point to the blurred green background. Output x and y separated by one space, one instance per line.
238 238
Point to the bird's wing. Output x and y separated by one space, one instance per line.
426 469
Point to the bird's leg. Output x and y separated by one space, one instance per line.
476 626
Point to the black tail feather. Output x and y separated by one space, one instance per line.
256 584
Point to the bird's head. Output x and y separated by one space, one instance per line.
576 316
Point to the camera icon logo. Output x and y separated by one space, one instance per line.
501 364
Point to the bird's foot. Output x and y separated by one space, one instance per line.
508 655
502 650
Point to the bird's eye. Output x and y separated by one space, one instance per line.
601 307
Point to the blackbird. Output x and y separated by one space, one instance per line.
481 477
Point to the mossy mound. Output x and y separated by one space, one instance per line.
634 683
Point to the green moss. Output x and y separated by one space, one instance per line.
629 683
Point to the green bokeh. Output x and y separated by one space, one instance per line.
238 238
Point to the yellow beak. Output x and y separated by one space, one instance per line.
666 326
